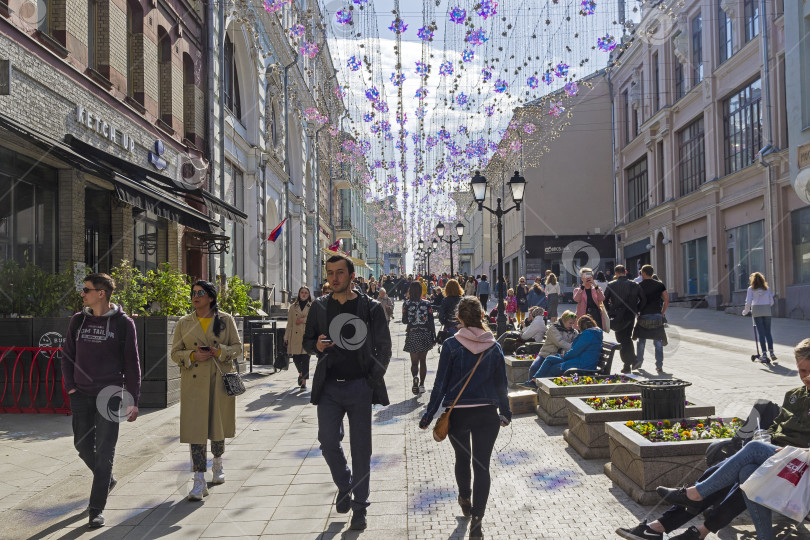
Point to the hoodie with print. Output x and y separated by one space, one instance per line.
91 355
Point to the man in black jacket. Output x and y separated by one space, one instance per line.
348 331
624 299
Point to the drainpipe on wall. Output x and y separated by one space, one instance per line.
209 111
286 195
221 59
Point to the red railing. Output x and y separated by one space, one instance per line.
16 384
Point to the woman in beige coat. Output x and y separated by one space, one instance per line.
206 342
294 334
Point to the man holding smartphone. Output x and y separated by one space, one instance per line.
348 331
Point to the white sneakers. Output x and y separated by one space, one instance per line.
200 488
219 472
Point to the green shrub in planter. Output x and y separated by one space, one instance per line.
129 288
32 292
168 291
235 298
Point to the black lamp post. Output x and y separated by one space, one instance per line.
517 185
451 241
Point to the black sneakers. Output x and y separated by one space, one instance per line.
344 502
678 497
415 387
692 533
641 532
476 533
96 519
358 520
466 506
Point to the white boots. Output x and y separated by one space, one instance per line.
219 472
200 488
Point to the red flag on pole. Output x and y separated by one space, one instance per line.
275 233
336 245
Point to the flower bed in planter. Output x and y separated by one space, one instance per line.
587 417
551 393
517 368
661 456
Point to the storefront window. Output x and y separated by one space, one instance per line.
800 235
150 240
28 211
695 256
749 252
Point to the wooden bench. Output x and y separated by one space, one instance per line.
605 361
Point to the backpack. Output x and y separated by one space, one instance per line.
122 331
765 411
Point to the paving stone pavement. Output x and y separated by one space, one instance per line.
278 485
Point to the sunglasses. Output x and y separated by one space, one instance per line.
201 292
86 290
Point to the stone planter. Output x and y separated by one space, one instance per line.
638 466
551 407
517 369
586 426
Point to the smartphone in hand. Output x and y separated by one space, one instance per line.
206 348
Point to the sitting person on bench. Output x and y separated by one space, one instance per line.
789 428
560 337
584 353
535 329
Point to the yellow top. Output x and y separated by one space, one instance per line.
204 322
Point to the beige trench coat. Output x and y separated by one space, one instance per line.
294 334
206 411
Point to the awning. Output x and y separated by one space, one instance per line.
636 248
358 262
160 181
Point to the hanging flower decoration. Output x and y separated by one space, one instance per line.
458 15
354 64
515 146
556 109
344 16
588 7
273 6
397 78
561 70
368 117
420 113
398 26
501 86
446 68
462 130
421 93
606 43
298 31
372 93
313 115
360 2
444 134
529 128
375 128
421 69
385 125
547 77
462 99
477 37
487 8
425 33
532 82
402 118
571 88
431 141
340 92
486 73
333 130
468 55
381 106
309 49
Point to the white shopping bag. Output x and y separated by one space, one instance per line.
782 483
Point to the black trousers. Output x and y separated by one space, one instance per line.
301 362
483 298
472 434
627 350
725 504
95 434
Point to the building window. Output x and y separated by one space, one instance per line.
231 83
636 122
28 211
656 84
135 65
697 50
150 240
164 76
660 153
189 99
692 157
800 237
751 14
742 124
235 195
44 18
637 190
626 99
747 243
725 35
680 80
695 255
92 34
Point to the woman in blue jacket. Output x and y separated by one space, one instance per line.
475 421
584 353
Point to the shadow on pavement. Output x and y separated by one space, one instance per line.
551 431
83 516
402 408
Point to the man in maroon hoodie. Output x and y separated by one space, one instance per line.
102 374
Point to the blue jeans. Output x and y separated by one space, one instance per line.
535 367
659 352
763 325
738 468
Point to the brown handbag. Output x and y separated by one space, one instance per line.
442 427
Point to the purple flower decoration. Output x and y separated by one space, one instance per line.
420 113
556 109
571 88
397 78
340 92
529 128
462 130
309 49
588 7
381 106
444 134
368 117
515 146
432 141
385 125
354 64
372 93
446 68
458 15
462 99
561 70
467 55
273 6
421 69
486 73
375 128
422 93
344 16
606 43
532 82
501 86
298 31
425 33
487 8
547 77
402 118
398 26
477 37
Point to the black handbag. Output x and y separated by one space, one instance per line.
441 335
233 381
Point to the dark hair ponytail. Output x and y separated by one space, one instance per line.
211 291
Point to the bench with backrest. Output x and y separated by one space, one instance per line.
605 361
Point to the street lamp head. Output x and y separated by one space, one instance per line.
440 230
517 184
421 244
460 229
435 244
479 187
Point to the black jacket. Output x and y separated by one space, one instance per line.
447 310
376 349
623 300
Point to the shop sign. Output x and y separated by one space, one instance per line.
100 125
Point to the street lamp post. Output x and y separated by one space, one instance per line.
450 240
517 185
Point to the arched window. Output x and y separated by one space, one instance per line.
189 99
135 52
164 76
231 83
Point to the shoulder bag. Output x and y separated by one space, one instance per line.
233 381
442 426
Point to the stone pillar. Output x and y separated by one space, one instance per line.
71 217
175 246
122 231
